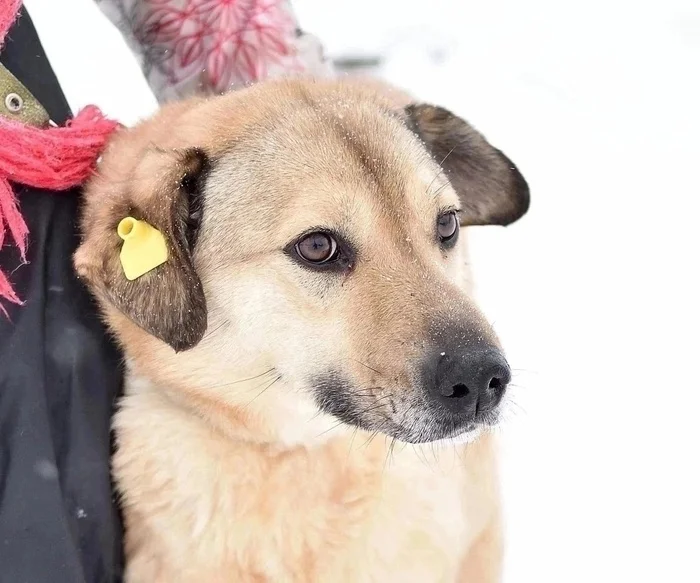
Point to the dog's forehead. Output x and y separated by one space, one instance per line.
327 162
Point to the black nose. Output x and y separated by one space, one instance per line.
467 383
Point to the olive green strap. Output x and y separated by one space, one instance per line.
17 103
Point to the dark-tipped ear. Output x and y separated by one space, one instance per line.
164 191
491 188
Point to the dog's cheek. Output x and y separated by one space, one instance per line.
307 348
272 319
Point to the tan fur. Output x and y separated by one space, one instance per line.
226 468
345 510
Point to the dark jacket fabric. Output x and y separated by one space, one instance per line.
59 378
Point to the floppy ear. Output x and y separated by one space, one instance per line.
163 190
491 188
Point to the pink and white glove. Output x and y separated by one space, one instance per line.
189 47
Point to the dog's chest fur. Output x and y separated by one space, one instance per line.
202 507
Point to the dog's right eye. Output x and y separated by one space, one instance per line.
317 248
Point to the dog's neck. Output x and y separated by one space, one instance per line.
295 421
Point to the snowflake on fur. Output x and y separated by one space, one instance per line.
225 42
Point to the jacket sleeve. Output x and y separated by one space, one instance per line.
59 377
211 46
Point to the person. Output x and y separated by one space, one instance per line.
60 374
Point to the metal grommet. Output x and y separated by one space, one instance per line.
13 102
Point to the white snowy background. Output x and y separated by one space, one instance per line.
594 292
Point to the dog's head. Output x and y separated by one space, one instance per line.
315 257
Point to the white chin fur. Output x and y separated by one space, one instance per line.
461 439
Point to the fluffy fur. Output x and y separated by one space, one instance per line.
231 462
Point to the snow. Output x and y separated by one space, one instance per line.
91 59
593 293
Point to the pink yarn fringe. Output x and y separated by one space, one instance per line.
8 14
55 159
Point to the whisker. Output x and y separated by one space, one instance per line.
262 374
338 424
352 441
366 366
434 452
448 153
420 452
369 439
365 392
525 370
261 392
427 190
389 453
375 405
510 405
376 433
211 332
439 190
518 387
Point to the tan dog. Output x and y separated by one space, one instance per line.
309 334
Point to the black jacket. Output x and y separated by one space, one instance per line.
59 377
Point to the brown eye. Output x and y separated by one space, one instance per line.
317 248
447 226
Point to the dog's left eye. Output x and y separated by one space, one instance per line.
447 227
317 248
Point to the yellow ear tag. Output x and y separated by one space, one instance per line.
144 247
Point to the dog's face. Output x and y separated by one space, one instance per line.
315 258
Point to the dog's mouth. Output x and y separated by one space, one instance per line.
409 420
438 429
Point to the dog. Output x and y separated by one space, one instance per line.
309 385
